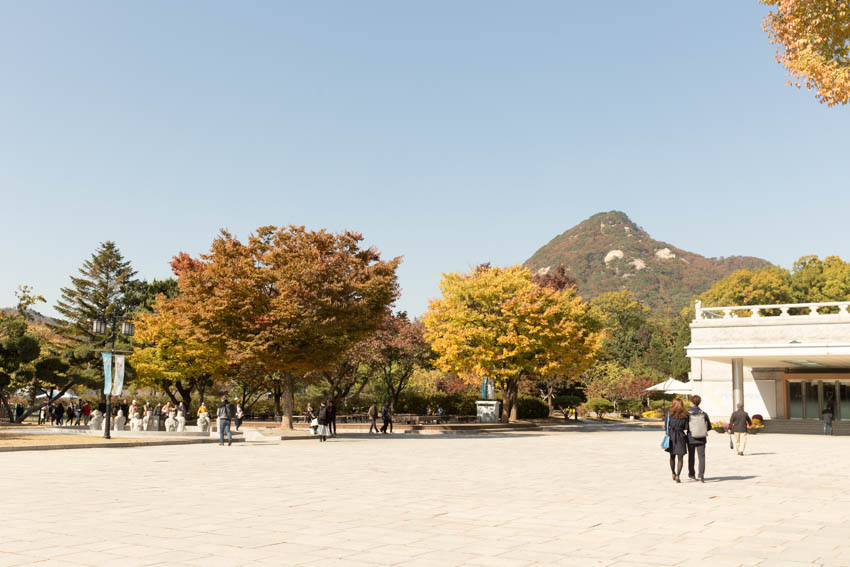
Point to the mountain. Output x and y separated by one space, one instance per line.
33 315
609 252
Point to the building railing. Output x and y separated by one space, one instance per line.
829 309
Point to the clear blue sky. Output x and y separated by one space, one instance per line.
448 132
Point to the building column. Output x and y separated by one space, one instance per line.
737 382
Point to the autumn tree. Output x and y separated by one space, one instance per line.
170 356
555 278
615 383
347 377
810 280
549 386
289 300
498 323
395 351
813 42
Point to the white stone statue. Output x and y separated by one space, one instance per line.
120 421
204 422
136 422
96 421
181 421
171 422
146 421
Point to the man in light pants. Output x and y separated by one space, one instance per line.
738 423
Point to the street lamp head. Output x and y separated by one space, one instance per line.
98 327
127 328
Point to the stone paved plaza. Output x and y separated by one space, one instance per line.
580 498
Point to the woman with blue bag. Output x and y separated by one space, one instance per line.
675 438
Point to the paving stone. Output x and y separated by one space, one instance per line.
584 499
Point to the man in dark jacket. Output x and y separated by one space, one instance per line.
322 418
332 419
738 424
224 414
385 415
698 427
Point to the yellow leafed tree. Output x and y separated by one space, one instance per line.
813 39
498 323
169 356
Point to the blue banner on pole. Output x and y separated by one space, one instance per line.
107 372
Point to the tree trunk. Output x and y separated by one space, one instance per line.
277 392
185 394
509 396
202 388
288 401
5 403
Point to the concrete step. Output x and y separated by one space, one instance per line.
804 426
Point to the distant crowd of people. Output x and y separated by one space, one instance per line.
72 414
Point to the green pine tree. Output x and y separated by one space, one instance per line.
97 293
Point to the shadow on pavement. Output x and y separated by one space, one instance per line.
725 478
432 436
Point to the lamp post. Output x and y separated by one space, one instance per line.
100 327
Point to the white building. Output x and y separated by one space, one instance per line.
781 361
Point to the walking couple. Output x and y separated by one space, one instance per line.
687 432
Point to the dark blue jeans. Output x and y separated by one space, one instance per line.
224 424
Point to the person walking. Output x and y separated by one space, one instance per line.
322 418
385 416
240 415
70 414
332 419
78 412
373 416
310 419
86 414
42 415
224 415
677 427
698 427
828 413
738 424
58 414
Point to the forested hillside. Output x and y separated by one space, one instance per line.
609 252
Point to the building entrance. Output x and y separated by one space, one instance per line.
808 398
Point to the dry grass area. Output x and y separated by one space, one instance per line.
12 439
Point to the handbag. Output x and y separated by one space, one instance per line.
665 443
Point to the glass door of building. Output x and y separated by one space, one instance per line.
843 405
808 398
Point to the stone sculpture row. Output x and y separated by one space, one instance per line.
175 422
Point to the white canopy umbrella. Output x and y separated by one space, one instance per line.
65 396
671 386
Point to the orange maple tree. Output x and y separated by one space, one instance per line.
289 300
